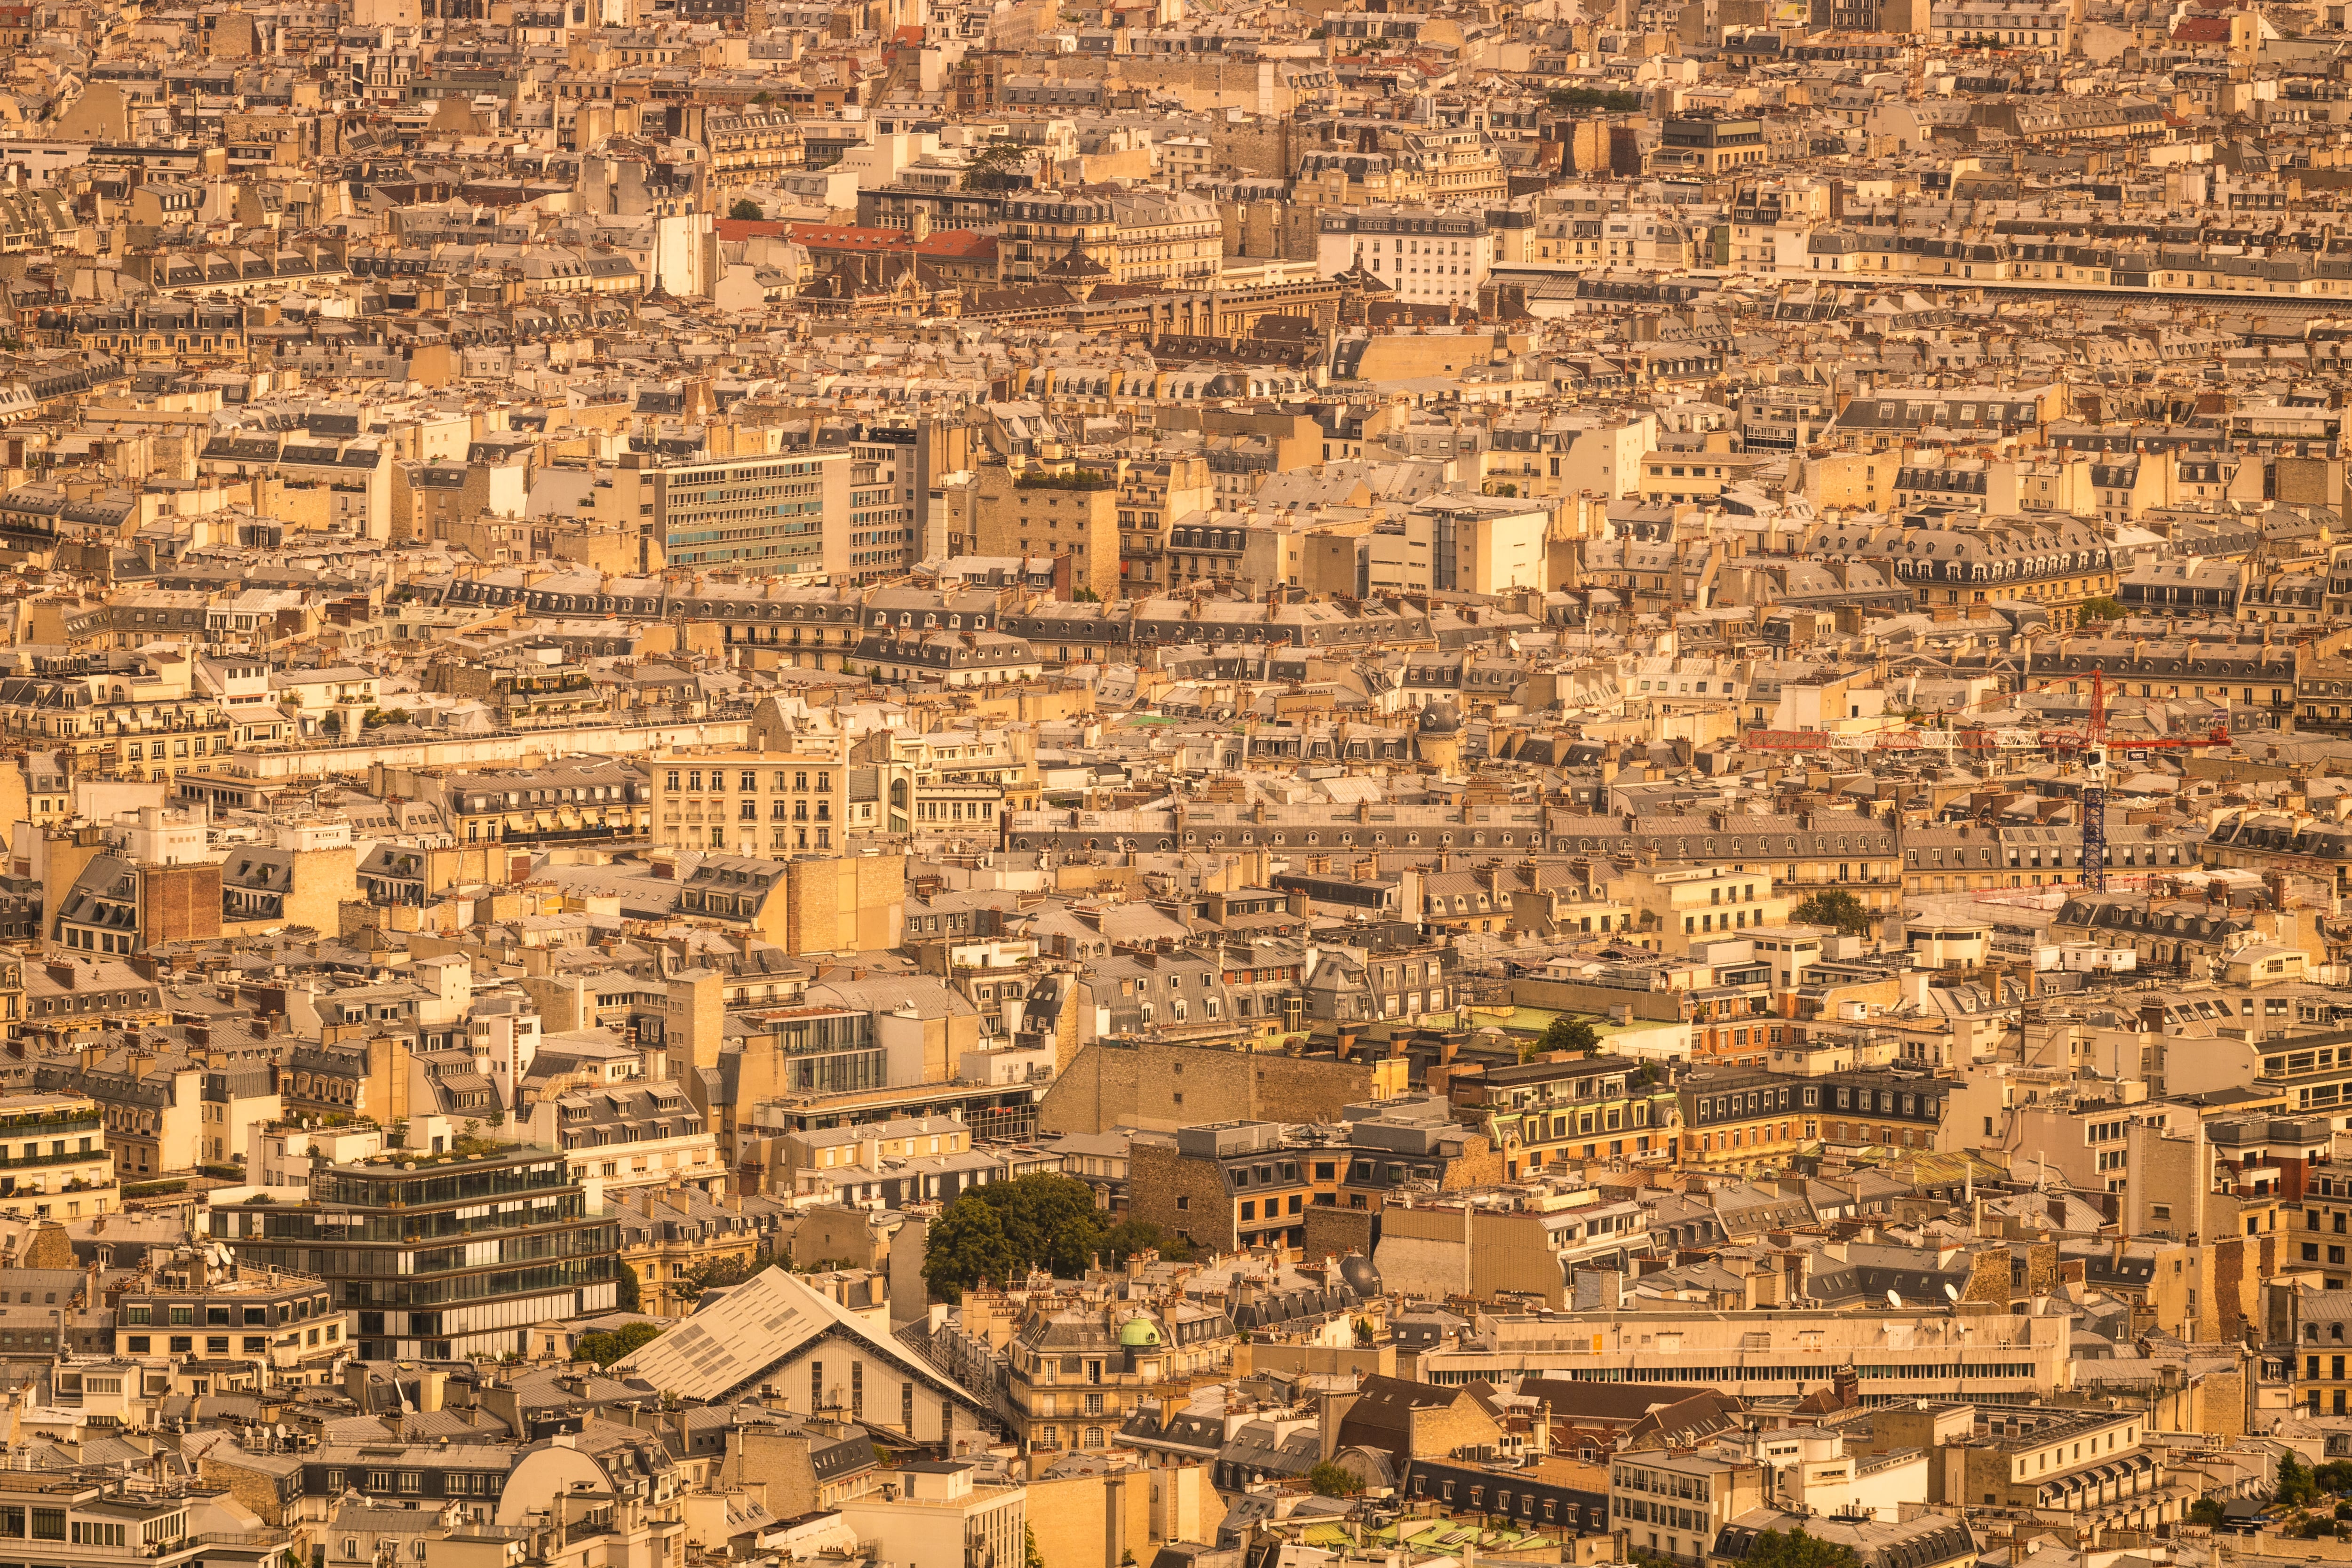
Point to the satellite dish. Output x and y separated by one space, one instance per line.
1895 1300
1951 1291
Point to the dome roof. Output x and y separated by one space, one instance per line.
1139 1332
1359 1271
1440 718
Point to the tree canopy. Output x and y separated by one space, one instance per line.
993 163
1044 1221
1595 97
746 209
1328 1479
1835 907
1570 1035
2297 1487
1797 1550
716 1272
604 1347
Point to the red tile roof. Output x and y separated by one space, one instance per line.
948 244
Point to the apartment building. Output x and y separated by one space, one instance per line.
617 1138
669 1234
125 716
771 804
1897 1356
575 800
1424 255
1674 1505
1153 497
947 781
1461 544
1554 1112
882 537
1053 508
1710 145
1529 1243
940 1510
1673 908
388 1235
74 1522
281 1324
1165 237
54 1159
1040 230
1743 1119
1222 1186
783 513
2090 1464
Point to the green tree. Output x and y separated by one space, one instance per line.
1328 1479
2334 1476
746 210
1571 1035
629 1297
1043 1221
718 1272
966 1245
1595 97
606 1348
998 158
2205 1510
2102 608
1835 907
1125 1239
2297 1487
1030 1556
1568 1035
1797 1550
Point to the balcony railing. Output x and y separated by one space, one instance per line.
37 1161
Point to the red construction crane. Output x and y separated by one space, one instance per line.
2091 742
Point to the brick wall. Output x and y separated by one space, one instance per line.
1165 1087
1187 1196
1337 1232
182 903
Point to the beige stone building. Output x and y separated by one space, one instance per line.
753 803
1054 509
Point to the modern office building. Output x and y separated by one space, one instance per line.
441 1255
768 510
